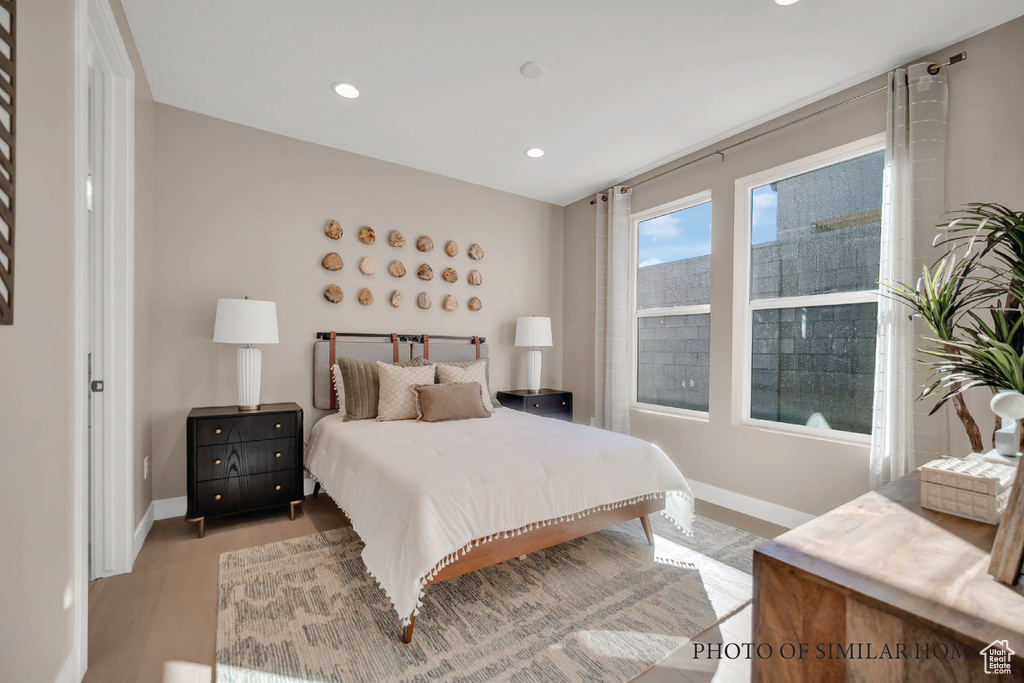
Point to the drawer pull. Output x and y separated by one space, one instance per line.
277 488
536 405
563 403
216 431
217 497
217 461
277 455
277 426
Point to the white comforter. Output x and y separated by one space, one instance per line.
419 493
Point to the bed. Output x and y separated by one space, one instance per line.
432 501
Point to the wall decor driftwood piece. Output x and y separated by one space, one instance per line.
396 298
476 252
1008 548
424 244
396 269
450 275
450 303
426 272
396 239
332 262
7 107
334 230
366 235
475 278
366 266
423 300
334 294
451 248
365 296
475 304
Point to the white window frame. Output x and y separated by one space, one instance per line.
744 306
635 314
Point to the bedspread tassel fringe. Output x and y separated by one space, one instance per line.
452 557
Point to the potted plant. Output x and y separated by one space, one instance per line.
971 301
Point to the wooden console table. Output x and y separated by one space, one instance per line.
881 570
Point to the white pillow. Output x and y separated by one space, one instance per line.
474 372
339 387
397 399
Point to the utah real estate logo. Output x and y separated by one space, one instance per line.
997 657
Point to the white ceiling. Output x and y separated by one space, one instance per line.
629 84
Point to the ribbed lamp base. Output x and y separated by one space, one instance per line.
250 363
533 370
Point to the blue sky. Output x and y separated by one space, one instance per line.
675 236
764 214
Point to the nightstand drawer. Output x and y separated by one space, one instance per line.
234 429
546 404
241 459
233 494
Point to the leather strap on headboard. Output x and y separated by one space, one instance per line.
331 360
476 342
426 347
394 343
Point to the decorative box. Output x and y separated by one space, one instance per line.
969 488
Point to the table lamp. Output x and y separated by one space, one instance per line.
533 331
248 322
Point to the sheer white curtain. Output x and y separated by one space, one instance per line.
913 204
611 333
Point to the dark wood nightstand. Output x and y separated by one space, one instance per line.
243 460
546 402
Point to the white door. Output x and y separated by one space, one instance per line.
99 561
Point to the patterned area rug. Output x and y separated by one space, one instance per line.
605 607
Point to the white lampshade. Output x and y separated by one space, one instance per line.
533 331
245 321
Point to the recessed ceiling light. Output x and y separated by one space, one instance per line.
346 90
532 70
784 2
535 152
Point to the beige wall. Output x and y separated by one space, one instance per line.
985 163
36 375
241 212
145 121
36 369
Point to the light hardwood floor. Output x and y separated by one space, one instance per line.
163 615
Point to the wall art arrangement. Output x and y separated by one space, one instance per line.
7 46
333 262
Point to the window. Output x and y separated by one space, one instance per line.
671 296
810 256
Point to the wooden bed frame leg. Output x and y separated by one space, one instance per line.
316 488
646 521
407 633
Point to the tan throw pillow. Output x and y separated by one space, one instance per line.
397 398
487 373
447 402
471 372
361 387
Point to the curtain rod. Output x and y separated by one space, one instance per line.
932 69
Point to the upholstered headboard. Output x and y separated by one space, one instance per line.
383 347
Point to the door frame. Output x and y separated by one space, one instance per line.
98 43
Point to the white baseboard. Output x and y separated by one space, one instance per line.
73 670
165 508
141 531
755 507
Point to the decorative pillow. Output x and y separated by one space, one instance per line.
474 371
454 401
339 387
397 398
361 386
487 374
